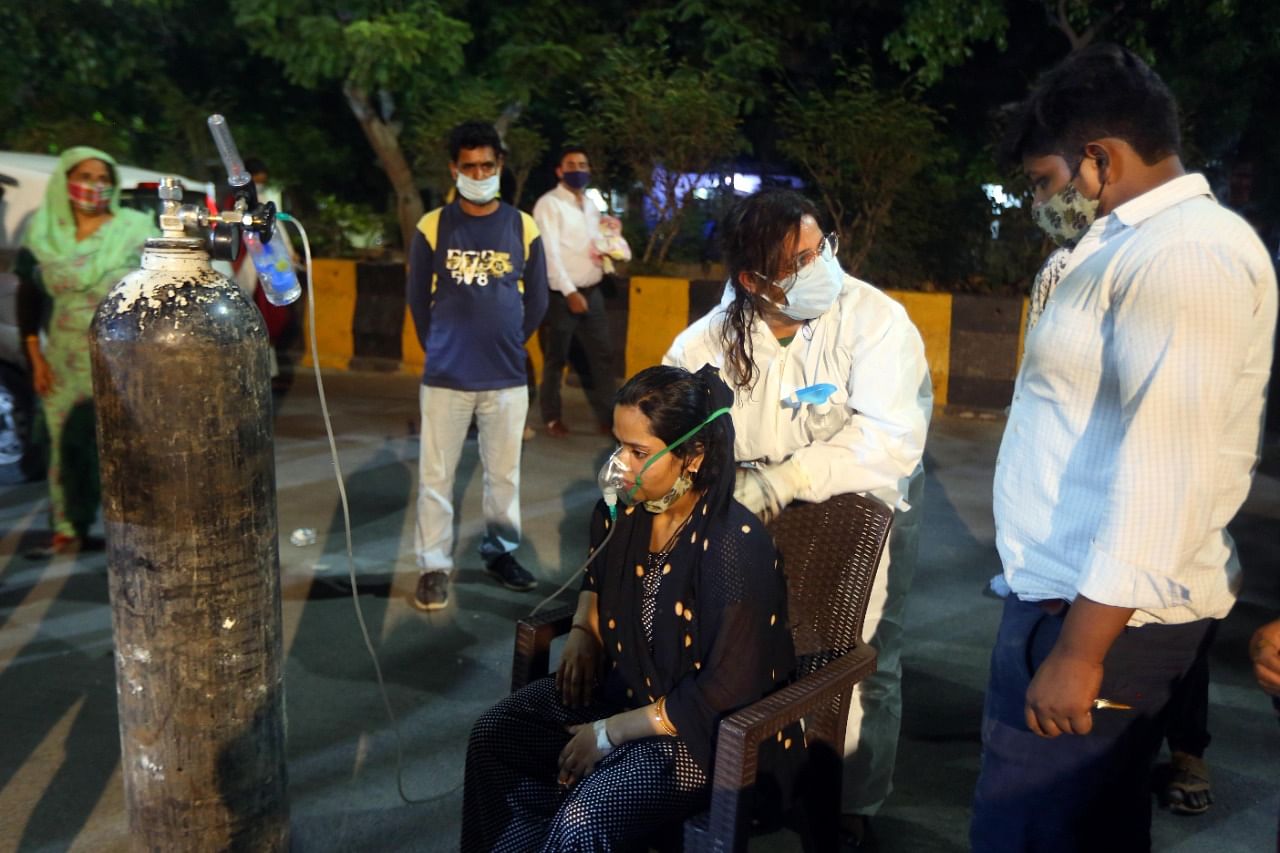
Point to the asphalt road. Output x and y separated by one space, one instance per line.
60 780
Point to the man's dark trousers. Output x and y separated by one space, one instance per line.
1074 792
592 329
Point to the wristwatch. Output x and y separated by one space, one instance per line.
602 737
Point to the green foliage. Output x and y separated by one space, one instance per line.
397 46
940 34
861 147
349 102
667 122
525 150
340 228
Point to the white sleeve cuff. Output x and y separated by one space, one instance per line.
1112 581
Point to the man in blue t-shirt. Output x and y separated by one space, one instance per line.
477 291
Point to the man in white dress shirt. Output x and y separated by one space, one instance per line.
569 222
1130 445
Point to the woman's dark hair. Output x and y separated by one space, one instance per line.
676 401
474 134
754 237
1102 90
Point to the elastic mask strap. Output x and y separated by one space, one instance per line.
679 441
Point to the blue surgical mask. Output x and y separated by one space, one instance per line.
480 191
576 180
814 289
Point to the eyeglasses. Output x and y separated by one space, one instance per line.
791 269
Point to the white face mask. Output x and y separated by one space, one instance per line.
480 191
814 289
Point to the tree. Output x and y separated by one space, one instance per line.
672 126
381 55
525 150
861 146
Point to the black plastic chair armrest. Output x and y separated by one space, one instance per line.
534 634
740 734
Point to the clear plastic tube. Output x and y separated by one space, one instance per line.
236 175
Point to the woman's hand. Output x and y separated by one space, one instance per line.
41 372
580 755
579 668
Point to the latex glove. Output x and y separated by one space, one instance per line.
767 490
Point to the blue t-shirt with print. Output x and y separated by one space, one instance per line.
476 295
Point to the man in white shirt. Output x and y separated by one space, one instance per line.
1130 445
570 222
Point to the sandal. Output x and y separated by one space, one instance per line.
1188 789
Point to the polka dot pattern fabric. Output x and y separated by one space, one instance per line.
650 582
512 801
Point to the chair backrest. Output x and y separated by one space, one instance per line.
830 552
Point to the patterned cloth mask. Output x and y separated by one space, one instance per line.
1066 215
91 198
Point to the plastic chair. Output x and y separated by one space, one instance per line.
831 551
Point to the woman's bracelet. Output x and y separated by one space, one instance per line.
660 707
584 628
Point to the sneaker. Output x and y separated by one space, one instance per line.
509 573
557 429
432 592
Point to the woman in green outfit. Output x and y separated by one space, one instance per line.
79 244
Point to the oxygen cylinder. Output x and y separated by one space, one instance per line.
183 398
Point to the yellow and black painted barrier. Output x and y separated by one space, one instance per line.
973 343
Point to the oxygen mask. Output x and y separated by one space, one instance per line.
613 481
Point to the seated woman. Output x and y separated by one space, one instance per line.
681 619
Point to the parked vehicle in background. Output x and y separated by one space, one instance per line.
23 179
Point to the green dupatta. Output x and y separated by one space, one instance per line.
51 236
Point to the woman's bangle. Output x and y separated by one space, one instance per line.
584 628
660 707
